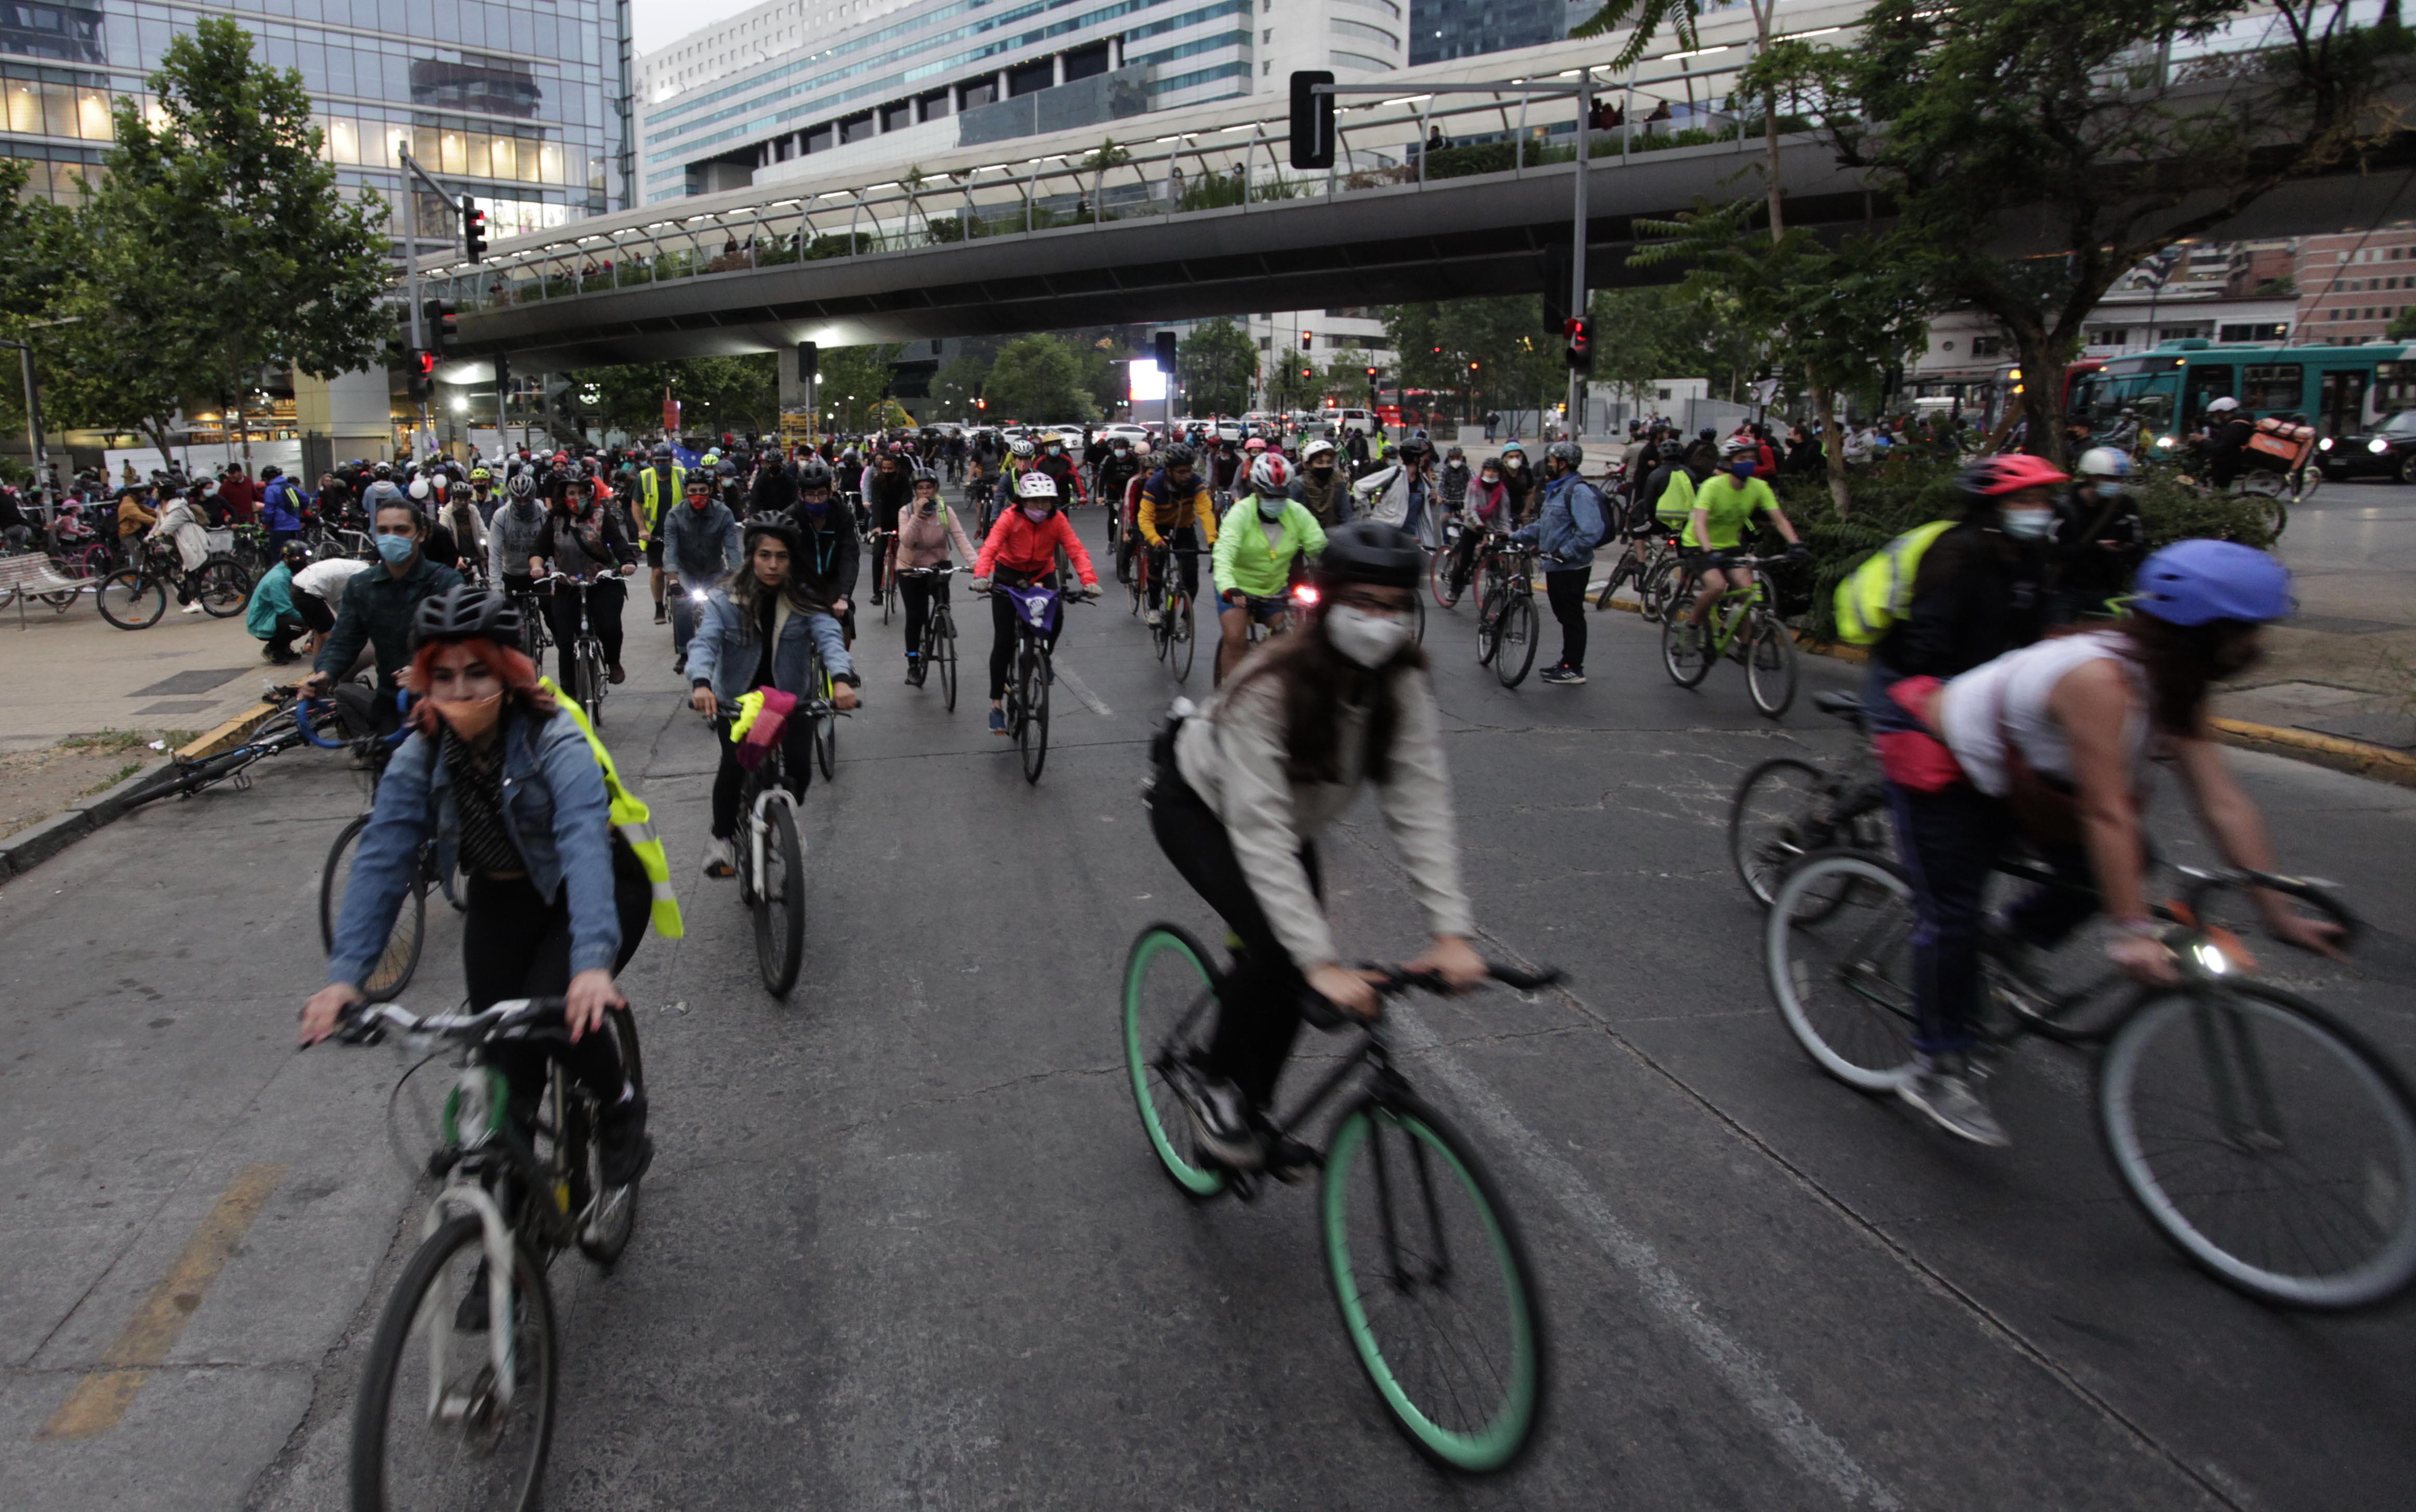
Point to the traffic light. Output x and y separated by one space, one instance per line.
1472 366
1312 121
1304 373
1305 341
1371 375
809 362
1165 353
1580 331
474 229
419 373
441 329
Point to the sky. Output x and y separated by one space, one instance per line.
657 23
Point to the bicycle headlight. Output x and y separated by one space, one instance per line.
474 1110
2165 443
2210 958
2325 445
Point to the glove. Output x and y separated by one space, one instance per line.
1800 552
981 586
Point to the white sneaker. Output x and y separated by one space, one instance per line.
720 858
1151 618
193 608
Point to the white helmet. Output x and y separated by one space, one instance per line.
2218 406
2104 462
1036 484
1318 447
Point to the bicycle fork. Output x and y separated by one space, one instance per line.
2246 1117
759 833
452 1409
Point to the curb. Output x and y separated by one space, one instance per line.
35 843
2356 757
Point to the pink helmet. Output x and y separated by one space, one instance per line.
2009 472
1255 444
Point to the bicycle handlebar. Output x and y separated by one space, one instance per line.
1397 981
2322 896
306 717
535 1012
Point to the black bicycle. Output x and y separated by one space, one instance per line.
1785 809
398 962
134 598
1176 633
1505 615
590 674
939 647
771 864
300 721
1437 1294
1032 674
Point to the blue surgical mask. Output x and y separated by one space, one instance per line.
1742 468
396 550
1270 509
815 506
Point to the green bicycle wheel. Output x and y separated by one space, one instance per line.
1170 995
1432 1280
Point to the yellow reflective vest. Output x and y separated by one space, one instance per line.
632 818
650 499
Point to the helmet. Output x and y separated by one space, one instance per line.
662 451
779 529
1320 448
1737 445
727 472
2009 473
1567 451
1269 474
2193 581
2223 405
924 475
271 471
2104 462
458 491
813 473
1367 551
710 459
1021 446
294 553
462 612
383 470
1180 455
1509 446
522 485
1036 485
695 482
480 474
1254 446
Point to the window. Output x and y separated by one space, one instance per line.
1983 346
2108 335
2273 386
856 127
2275 332
897 115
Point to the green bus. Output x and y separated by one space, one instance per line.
2342 390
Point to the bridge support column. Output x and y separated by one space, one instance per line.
796 391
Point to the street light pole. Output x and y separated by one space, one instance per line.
1577 252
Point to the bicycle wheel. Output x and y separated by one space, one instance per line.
430 1427
781 906
1182 636
943 639
1418 620
1775 820
1433 1283
394 967
1837 948
827 738
1514 639
1655 589
1032 735
223 585
1683 653
131 599
1769 666
591 682
1488 631
1438 579
2268 1141
1168 1007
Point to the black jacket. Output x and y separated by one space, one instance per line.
827 564
1972 601
776 488
376 611
2080 563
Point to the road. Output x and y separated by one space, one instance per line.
903 1245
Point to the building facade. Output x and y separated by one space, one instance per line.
522 103
2352 285
1440 30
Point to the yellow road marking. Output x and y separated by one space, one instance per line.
102 1398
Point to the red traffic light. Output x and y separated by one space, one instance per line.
427 364
1371 373
1305 340
1580 331
1472 366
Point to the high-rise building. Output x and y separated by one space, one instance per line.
1440 30
522 103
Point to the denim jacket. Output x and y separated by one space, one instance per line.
724 650
1570 522
555 808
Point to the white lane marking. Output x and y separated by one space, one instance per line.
1805 1441
1081 690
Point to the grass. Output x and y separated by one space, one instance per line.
112 780
111 742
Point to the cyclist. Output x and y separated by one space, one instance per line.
1174 511
482 491
1022 550
1263 538
461 521
2099 538
658 486
180 524
1723 507
888 484
1518 480
1240 789
581 539
1116 469
753 633
828 550
925 533
1571 523
1324 488
508 787
700 549
376 613
2050 742
1053 462
512 535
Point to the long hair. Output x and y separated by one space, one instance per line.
2182 661
746 593
516 672
1315 681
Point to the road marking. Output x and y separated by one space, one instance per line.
102 1398
1805 1441
1083 690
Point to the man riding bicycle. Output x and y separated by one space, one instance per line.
1263 537
1176 512
1724 506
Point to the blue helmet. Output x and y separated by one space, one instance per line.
2196 582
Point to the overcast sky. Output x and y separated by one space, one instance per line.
660 21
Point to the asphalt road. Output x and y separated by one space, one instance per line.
904 1245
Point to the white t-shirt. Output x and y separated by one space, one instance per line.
2013 691
326 579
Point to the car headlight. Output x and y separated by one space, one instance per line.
2378 445
2325 445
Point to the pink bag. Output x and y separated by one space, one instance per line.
1916 759
765 730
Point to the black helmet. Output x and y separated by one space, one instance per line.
780 530
815 472
464 611
270 472
294 553
1180 455
662 451
1567 451
1367 551
924 475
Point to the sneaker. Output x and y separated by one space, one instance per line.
998 721
1221 1122
1151 618
679 662
720 858
1288 1160
661 614
1944 1091
621 1137
1564 676
193 608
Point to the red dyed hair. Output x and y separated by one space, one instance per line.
516 672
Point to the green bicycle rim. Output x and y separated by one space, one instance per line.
1197 1180
1499 1442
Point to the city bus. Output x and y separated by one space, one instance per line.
2341 389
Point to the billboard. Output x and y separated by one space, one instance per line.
1148 382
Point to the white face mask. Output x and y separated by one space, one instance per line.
1369 640
1271 510
2029 524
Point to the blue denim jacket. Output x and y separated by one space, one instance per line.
1570 522
554 808
724 652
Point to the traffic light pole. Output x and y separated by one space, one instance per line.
411 271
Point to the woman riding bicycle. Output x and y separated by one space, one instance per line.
2050 742
1022 550
1262 537
582 538
506 784
925 532
1242 789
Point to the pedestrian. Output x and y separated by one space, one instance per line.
237 493
1493 424
1569 523
270 617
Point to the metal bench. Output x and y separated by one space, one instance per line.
32 574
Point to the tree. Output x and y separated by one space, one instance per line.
2065 119
957 384
1038 378
1217 363
854 383
219 241
1346 378
714 394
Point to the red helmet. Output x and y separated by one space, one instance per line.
2009 472
1268 473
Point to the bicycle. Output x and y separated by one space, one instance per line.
939 647
772 872
979 495
885 587
1030 679
1505 618
398 963
1745 624
299 725
1648 560
536 639
134 596
1176 633
589 676
1404 1207
2210 1093
438 1401
1787 808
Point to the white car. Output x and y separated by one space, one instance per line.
1130 432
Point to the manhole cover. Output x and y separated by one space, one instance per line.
187 683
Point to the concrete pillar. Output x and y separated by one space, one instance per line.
797 393
998 87
1115 54
1057 70
349 415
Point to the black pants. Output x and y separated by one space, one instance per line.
796 749
362 711
315 613
516 943
1181 548
605 600
1258 1007
280 640
1566 591
920 595
1004 621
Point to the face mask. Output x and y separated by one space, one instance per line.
396 550
1271 510
469 717
1513 461
1741 469
1369 640
815 506
698 502
1039 516
1491 480
2029 524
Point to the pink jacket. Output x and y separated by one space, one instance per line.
923 539
1487 502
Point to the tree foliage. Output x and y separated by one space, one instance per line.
957 384
1216 365
716 394
1039 378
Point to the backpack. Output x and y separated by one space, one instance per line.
1604 529
1879 593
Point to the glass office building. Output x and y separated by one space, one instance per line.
522 103
1440 30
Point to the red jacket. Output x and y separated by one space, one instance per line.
1016 542
239 495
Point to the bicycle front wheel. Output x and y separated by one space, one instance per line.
394 967
591 683
1837 948
781 906
2268 1141
1446 593
223 585
1769 666
1684 654
1513 650
431 1427
131 599
943 650
1182 636
1433 1278
1775 821
1169 1007
1032 735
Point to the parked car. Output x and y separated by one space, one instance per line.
2389 450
